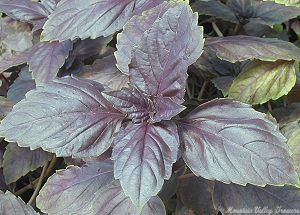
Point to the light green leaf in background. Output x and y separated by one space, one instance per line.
262 81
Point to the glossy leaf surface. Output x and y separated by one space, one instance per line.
240 48
262 81
72 190
159 63
143 155
18 161
133 32
95 18
67 119
231 142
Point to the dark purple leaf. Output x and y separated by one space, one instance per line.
143 155
46 59
133 32
170 186
112 200
233 199
83 49
21 86
215 8
12 205
104 71
5 106
24 10
240 48
268 13
72 190
229 141
19 161
95 18
68 116
159 63
264 12
196 194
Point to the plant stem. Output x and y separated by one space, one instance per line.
270 107
188 91
236 28
27 187
33 184
216 29
38 186
51 165
202 90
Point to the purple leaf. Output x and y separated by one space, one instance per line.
68 116
112 200
268 13
263 200
215 8
104 71
21 86
196 193
24 10
12 205
143 155
72 190
83 49
47 58
133 32
240 48
19 161
95 18
159 63
264 12
231 142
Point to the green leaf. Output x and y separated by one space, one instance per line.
261 81
289 2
